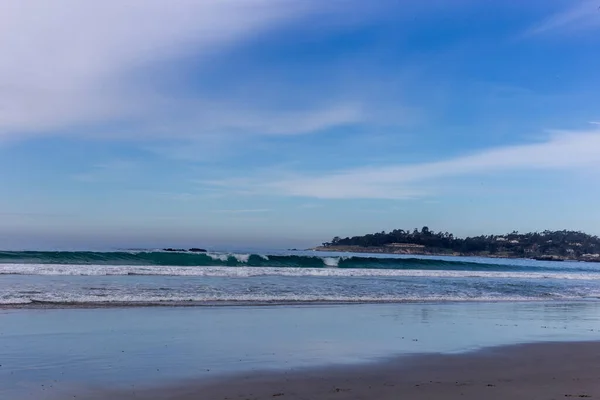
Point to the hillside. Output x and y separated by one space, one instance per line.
549 245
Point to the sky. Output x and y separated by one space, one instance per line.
283 123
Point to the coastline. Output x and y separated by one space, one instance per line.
52 354
524 371
42 305
410 251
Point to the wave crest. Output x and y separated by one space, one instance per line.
245 272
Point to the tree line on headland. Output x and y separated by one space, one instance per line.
550 245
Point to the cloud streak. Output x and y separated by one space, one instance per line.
563 151
243 211
72 63
114 170
584 15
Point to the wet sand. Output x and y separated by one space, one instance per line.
531 371
302 351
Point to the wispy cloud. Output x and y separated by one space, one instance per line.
33 214
561 151
227 118
80 64
583 15
108 171
308 206
74 62
217 131
243 211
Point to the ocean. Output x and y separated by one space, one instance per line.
139 278
73 323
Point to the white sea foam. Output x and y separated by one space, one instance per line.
218 257
243 258
331 261
243 272
246 298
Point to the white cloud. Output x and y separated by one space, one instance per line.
218 118
243 211
581 16
562 151
69 62
114 170
300 121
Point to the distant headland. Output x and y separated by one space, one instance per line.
547 245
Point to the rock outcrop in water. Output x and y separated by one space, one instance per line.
192 250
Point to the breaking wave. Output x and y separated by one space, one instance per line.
185 259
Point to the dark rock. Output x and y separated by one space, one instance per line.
197 250
549 258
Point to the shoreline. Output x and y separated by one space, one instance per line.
550 370
42 305
55 354
409 252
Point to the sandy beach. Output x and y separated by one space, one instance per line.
303 352
301 200
531 371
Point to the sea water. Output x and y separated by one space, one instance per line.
183 278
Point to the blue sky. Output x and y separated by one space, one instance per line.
277 123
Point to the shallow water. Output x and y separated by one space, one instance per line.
62 348
138 278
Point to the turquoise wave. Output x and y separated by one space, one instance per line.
164 258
